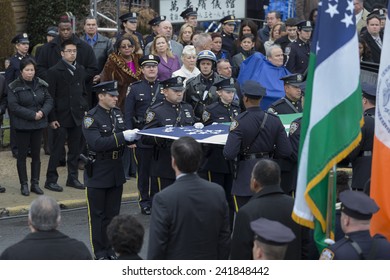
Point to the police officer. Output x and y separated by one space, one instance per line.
142 95
22 44
271 239
190 16
105 133
171 112
291 102
253 134
129 25
228 36
356 211
361 156
298 52
200 90
3 107
154 23
215 166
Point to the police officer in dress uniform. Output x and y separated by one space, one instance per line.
129 25
190 16
3 107
22 44
105 133
298 52
254 134
361 156
171 112
291 102
228 37
271 239
200 90
154 23
142 95
356 211
215 167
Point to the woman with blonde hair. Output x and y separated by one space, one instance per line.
188 68
277 31
122 66
185 34
169 62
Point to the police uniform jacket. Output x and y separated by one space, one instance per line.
69 94
165 114
285 106
47 245
220 113
289 179
142 95
103 132
228 41
149 38
102 49
373 248
298 56
361 156
195 88
283 42
24 102
13 70
271 203
50 54
251 138
190 220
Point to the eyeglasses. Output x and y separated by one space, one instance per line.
127 46
71 51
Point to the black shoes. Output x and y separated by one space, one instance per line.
24 189
74 183
36 189
146 210
53 187
2 189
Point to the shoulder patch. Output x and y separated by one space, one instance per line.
287 50
293 127
327 254
233 125
88 121
205 116
149 117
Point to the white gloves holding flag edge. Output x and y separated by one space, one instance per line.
131 135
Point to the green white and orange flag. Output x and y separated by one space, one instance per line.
332 118
380 176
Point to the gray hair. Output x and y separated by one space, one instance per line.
44 213
188 50
268 53
202 39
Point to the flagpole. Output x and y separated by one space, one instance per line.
329 213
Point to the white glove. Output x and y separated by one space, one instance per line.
329 241
198 125
131 134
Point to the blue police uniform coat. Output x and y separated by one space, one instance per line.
252 137
298 56
228 42
285 106
13 70
361 156
220 113
160 115
102 130
372 248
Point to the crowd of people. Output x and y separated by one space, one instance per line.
94 93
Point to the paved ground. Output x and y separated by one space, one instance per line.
13 203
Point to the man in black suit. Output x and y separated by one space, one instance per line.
67 87
190 218
45 242
270 202
374 36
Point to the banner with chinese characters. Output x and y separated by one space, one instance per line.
208 10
